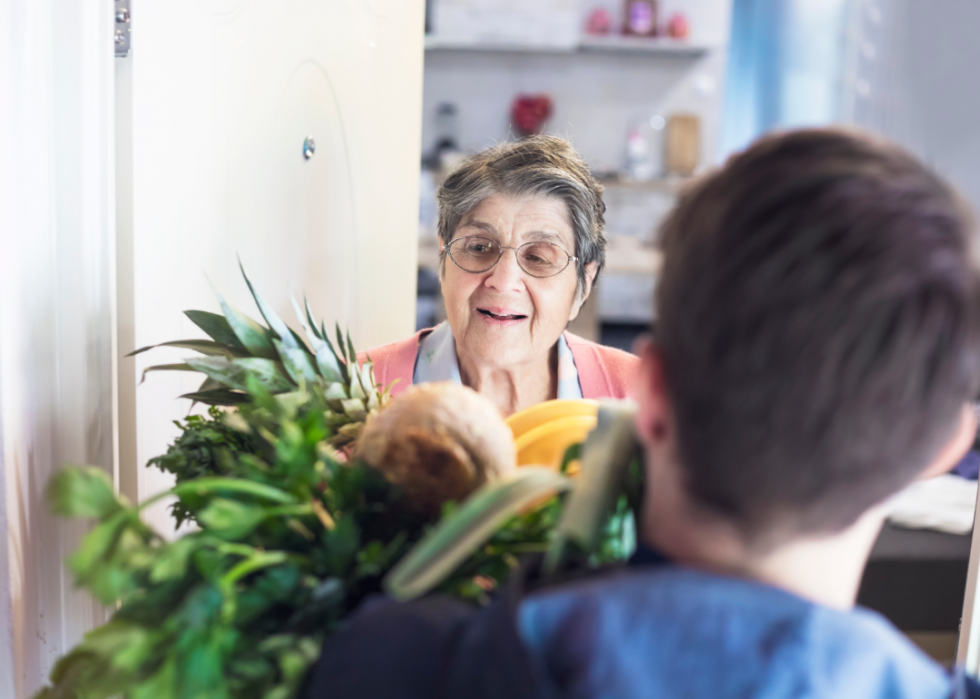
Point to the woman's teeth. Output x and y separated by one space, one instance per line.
500 317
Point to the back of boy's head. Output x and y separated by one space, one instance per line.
819 321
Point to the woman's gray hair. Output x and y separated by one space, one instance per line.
538 165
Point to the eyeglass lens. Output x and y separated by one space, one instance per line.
539 259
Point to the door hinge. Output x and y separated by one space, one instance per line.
122 34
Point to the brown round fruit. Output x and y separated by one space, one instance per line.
440 442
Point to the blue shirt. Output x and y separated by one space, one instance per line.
668 631
436 361
650 630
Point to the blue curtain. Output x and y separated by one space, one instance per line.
784 66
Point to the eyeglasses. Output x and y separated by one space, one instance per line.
476 255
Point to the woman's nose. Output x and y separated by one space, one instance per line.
506 275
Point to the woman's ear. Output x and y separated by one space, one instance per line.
590 270
956 447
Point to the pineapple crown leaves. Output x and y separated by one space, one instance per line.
280 359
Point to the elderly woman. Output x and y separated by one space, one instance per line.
521 226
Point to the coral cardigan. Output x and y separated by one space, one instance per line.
603 372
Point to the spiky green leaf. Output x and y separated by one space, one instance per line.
209 384
336 392
277 324
354 409
234 373
218 396
271 374
297 362
217 328
316 342
309 317
256 339
166 367
351 352
208 347
340 342
326 361
374 395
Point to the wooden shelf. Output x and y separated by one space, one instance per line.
667 185
658 46
664 46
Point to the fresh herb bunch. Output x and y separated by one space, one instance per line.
207 446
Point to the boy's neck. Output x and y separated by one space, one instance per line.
826 570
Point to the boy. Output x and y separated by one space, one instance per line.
817 343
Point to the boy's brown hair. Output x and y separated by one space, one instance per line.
819 319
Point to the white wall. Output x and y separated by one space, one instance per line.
213 137
595 94
56 331
912 75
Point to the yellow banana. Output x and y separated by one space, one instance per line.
545 444
543 413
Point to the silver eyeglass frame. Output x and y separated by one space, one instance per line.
447 248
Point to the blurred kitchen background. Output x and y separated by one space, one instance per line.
652 92
135 174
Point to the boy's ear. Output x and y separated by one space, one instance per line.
956 447
653 415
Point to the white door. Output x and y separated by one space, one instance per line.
215 104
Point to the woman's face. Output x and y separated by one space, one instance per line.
505 317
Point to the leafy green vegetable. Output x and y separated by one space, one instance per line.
206 447
88 495
289 540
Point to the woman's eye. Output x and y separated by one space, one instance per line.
478 248
540 255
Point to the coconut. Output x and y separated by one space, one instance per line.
440 442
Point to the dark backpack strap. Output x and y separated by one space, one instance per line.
489 659
432 648
389 650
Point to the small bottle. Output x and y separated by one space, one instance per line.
640 18
446 149
644 147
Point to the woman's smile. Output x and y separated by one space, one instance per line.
497 316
